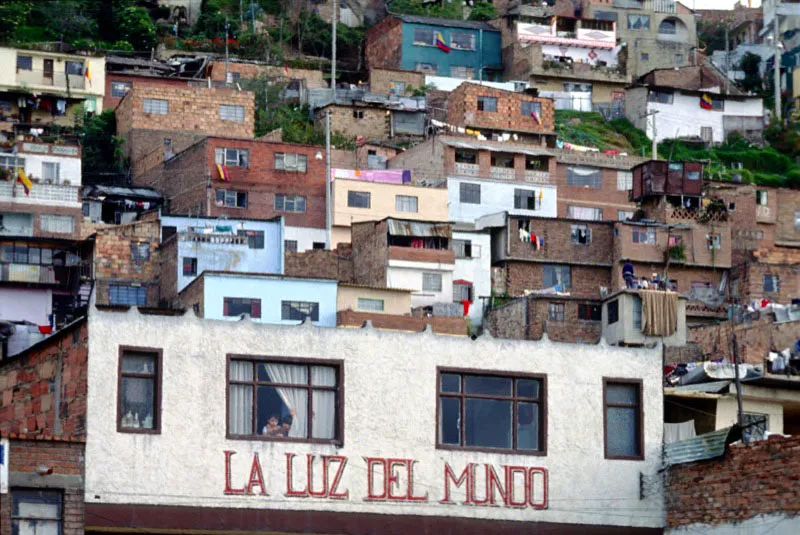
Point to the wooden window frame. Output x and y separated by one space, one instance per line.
541 401
157 377
640 427
338 390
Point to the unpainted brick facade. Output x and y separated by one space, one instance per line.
749 282
608 197
559 244
462 110
321 263
384 81
314 79
585 280
369 122
383 47
110 101
528 318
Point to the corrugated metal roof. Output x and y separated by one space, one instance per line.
700 448
121 191
714 387
418 229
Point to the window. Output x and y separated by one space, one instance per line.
12 163
502 159
581 234
661 97
24 63
359 199
189 266
232 157
290 246
279 400
644 236
556 312
299 310
462 248
536 163
74 68
427 68
797 219
771 283
462 40
228 112
674 241
463 72
140 251
637 313
645 56
233 77
467 156
761 197
755 425
120 89
291 162
555 275
487 104
127 295
139 391
236 306
695 175
624 215
584 213
231 198
717 103
424 37
589 312
431 282
255 238
290 203
524 199
638 22
405 203
462 292
622 419
470 193
372 305
624 180
36 512
318 245
678 58
613 312
528 108
397 88
605 15
156 106
668 27
57 224
51 171
492 411
358 114
675 167
588 177
713 241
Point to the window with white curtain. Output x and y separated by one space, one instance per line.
585 213
51 171
405 203
36 512
590 177
57 224
279 400
624 180
229 112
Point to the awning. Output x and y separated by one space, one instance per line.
463 282
418 229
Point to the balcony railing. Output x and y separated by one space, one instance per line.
223 239
40 193
467 169
537 177
503 173
35 274
59 80
412 254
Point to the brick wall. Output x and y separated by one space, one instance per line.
453 325
693 238
370 252
750 480
380 80
43 392
608 198
39 210
786 231
363 154
325 264
183 180
191 296
586 280
384 44
681 275
169 268
67 463
558 245
783 264
462 110
146 152
529 318
374 125
110 102
114 262
314 79
425 161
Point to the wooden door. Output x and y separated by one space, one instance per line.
48 71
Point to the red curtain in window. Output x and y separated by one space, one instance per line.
255 308
224 307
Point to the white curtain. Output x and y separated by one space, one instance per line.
582 212
294 398
241 399
323 421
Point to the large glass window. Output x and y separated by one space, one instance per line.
127 295
57 224
120 89
622 402
492 412
139 391
462 40
555 275
24 63
470 193
232 157
236 306
639 22
424 37
36 512
299 310
524 199
528 108
278 400
771 283
431 282
231 198
358 199
590 177
291 162
644 236
290 203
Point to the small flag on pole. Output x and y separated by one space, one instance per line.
23 179
223 173
441 44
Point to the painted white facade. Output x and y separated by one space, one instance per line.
69 166
497 197
22 304
477 270
581 54
305 237
408 275
390 382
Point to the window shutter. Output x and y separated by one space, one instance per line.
225 307
255 308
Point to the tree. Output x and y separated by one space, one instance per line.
101 147
752 75
135 26
13 14
483 11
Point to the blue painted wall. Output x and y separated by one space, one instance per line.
272 291
487 51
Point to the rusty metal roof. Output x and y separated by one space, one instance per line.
419 229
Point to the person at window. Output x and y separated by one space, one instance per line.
286 424
627 274
271 429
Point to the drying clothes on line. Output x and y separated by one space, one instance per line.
417 243
524 235
61 106
678 432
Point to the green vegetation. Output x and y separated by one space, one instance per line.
592 130
454 9
101 147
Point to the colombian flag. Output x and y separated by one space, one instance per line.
23 179
441 44
536 117
223 173
705 102
88 74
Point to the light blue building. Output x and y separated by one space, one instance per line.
265 298
213 244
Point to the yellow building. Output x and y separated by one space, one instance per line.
46 88
361 298
359 199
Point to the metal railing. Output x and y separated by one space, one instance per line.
467 169
59 194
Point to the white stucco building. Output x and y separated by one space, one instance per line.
409 433
473 266
471 198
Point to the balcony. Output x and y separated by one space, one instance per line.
57 80
579 36
411 254
503 173
35 274
215 238
42 194
467 169
537 177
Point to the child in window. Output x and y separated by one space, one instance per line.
272 428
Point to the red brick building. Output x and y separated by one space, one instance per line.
119 83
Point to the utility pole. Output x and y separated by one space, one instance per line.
727 62
655 132
328 207
241 16
227 26
334 16
737 380
777 67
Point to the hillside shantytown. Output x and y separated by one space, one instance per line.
399 267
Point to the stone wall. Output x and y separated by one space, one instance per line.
321 263
528 318
380 80
373 123
146 150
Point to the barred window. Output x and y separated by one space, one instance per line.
127 295
228 112
156 106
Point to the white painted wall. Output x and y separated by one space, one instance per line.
70 168
407 275
477 270
496 197
580 54
22 304
776 524
685 117
390 410
728 412
305 236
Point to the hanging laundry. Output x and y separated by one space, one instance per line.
417 243
524 236
533 240
61 106
22 102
